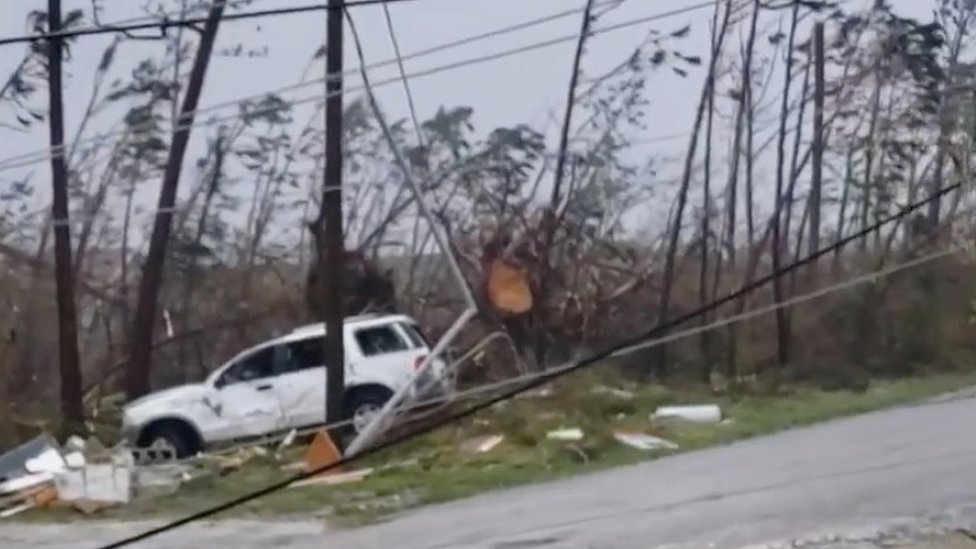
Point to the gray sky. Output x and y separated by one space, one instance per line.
519 89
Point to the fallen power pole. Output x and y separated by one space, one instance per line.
332 262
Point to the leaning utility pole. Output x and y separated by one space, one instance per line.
817 148
331 258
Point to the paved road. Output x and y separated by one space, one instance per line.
858 472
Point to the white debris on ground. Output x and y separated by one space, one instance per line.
480 445
88 477
699 413
622 394
567 434
645 442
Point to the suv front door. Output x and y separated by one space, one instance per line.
248 404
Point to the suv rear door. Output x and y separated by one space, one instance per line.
301 385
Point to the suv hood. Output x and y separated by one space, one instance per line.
172 396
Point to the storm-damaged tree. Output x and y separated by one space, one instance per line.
659 363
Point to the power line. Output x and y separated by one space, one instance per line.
403 75
165 14
626 346
42 155
165 25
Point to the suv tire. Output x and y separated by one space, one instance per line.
360 403
167 434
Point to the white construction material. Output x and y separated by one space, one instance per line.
702 413
25 482
642 441
98 482
48 461
480 445
571 434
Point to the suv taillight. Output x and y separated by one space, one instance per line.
418 361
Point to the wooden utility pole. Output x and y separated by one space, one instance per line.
816 185
72 410
331 219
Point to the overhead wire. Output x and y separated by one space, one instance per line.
403 75
163 26
165 14
45 154
630 344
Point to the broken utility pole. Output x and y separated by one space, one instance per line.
329 232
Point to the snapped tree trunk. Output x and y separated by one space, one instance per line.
139 367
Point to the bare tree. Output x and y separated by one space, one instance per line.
660 355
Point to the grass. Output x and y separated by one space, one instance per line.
436 471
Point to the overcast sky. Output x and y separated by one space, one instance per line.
522 89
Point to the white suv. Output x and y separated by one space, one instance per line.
281 385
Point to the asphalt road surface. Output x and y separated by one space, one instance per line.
890 467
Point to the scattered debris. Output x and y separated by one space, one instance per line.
702 413
27 475
48 461
98 483
288 440
480 445
508 288
75 444
9 512
14 464
74 460
572 434
322 453
227 463
161 480
612 391
334 479
25 482
642 441
25 500
577 451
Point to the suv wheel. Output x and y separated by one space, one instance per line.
362 404
170 439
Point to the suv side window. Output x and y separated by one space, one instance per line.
257 365
378 340
303 355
